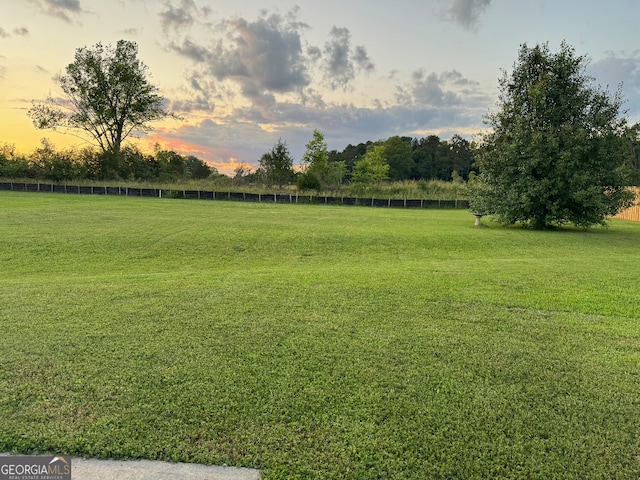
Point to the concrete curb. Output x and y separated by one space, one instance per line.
93 469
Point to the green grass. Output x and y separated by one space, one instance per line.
317 341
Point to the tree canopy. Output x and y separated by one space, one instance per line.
558 145
276 166
371 168
398 154
316 156
107 95
47 162
315 166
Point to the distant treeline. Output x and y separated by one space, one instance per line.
409 159
428 158
49 163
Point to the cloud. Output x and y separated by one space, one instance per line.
189 49
265 61
201 93
23 31
465 13
181 17
65 10
615 69
341 61
361 57
131 31
620 69
445 89
314 53
199 103
339 69
262 58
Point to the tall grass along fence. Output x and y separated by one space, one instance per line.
632 213
234 196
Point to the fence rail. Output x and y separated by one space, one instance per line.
632 213
232 196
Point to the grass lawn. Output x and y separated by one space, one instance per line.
317 341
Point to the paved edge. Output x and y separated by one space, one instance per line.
94 469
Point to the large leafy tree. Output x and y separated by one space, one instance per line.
398 154
372 168
425 157
557 147
276 166
198 169
315 163
106 95
461 155
316 155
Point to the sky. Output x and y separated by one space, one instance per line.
242 74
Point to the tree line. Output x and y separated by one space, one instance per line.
428 158
367 163
130 164
395 159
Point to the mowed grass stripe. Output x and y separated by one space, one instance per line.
317 341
